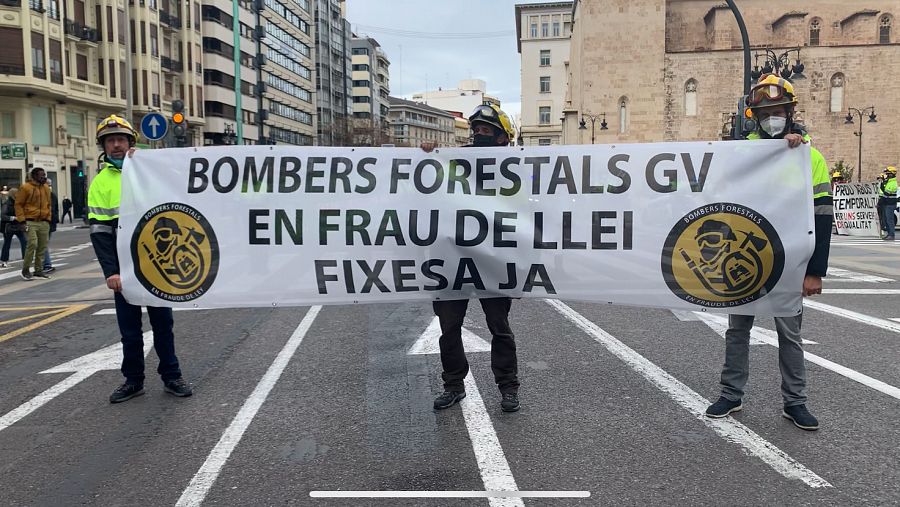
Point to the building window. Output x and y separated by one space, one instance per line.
545 29
75 124
556 25
837 93
544 115
544 141
623 115
545 57
545 84
814 29
7 124
690 98
37 55
41 127
534 24
884 31
81 67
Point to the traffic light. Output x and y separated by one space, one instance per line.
744 123
179 122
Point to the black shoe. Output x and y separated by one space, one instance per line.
178 387
723 407
49 269
510 402
43 275
800 416
448 398
888 238
125 392
26 275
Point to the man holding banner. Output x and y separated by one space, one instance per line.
117 137
772 102
490 127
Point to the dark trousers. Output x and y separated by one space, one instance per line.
503 344
161 321
888 218
7 242
66 213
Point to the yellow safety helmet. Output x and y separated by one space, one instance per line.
891 170
772 90
493 115
114 124
836 174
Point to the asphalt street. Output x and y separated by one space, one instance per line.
328 406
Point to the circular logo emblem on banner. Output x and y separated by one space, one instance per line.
175 252
721 256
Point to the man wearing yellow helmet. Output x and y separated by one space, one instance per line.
116 138
490 127
772 102
888 187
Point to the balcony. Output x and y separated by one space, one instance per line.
80 33
171 65
36 6
12 70
168 20
56 77
10 3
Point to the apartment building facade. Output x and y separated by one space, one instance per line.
414 123
277 55
543 31
469 94
370 73
63 68
334 98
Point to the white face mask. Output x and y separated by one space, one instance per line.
774 125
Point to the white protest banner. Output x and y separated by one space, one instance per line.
856 209
721 225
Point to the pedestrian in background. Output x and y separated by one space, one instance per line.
116 138
888 191
773 102
33 210
10 227
54 219
67 210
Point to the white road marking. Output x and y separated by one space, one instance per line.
868 292
18 272
728 428
895 319
429 341
107 358
449 494
112 311
758 335
857 277
715 323
209 472
855 316
495 471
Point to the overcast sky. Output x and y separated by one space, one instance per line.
421 56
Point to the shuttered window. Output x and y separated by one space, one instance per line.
81 67
12 58
56 61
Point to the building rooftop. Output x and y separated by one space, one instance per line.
397 101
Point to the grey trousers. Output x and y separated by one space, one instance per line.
790 358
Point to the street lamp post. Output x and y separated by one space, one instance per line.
779 65
582 125
870 111
228 136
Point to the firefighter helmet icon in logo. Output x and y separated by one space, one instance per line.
722 255
175 252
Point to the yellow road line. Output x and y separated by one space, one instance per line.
26 308
29 317
61 315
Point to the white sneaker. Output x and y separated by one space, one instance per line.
4 265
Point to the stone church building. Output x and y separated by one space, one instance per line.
673 70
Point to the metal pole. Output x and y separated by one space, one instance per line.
592 129
129 99
859 160
745 38
259 80
238 109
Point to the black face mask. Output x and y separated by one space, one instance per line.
483 140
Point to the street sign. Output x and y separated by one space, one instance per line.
154 126
12 151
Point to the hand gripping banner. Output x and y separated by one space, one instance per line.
721 226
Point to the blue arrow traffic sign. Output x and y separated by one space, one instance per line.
154 126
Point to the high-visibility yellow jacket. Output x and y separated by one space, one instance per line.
823 210
103 216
